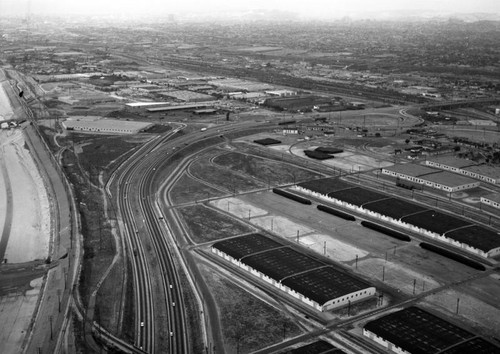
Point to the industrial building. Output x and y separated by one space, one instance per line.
483 172
100 125
468 168
281 93
187 96
407 215
430 177
315 283
232 85
193 106
492 200
416 331
146 104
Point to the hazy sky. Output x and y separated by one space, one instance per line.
307 8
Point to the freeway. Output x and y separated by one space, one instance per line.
151 238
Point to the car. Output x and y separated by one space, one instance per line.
142 324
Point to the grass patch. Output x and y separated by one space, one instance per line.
248 324
98 241
207 224
188 190
224 177
158 129
268 171
297 164
107 299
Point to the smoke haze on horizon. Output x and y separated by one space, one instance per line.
309 9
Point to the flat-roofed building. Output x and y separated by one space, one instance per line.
181 107
449 163
281 93
455 231
431 177
100 125
486 173
410 172
310 280
483 172
416 331
230 84
145 104
187 96
492 200
450 182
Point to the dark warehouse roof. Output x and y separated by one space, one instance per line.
435 221
283 262
358 196
476 236
324 284
476 345
319 347
315 279
394 208
239 247
418 331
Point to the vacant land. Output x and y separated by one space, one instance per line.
269 171
248 323
470 309
188 190
207 224
223 177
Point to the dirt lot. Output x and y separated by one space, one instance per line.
188 190
206 224
474 134
248 323
482 314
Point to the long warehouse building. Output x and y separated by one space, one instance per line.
458 232
316 283
416 331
